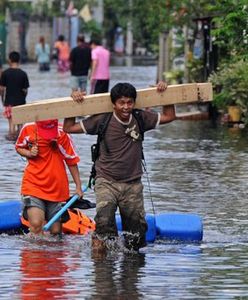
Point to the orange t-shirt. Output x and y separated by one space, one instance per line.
45 176
64 50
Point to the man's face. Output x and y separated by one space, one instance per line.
92 46
123 108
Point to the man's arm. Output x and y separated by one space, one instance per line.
93 67
71 126
25 91
168 114
2 92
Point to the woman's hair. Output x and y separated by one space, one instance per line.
42 42
61 38
123 89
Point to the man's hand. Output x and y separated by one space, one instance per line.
78 96
161 86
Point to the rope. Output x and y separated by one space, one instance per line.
149 186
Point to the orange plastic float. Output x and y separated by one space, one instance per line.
78 223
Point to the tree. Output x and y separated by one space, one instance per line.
3 5
231 31
149 18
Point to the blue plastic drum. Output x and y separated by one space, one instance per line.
182 227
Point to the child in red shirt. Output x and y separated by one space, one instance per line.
45 183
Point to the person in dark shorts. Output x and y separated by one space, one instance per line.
14 86
100 67
119 165
45 185
80 63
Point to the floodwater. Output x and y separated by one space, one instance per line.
192 167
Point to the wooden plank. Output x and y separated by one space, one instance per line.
59 108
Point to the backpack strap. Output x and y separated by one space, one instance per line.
102 129
95 148
139 118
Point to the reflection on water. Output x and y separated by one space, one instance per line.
43 274
117 276
193 168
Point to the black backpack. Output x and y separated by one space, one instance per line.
95 148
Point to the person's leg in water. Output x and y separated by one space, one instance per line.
36 218
132 213
105 214
38 211
8 115
11 126
19 127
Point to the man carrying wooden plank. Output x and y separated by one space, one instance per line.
121 160
118 163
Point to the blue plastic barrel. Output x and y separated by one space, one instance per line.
182 227
151 232
10 215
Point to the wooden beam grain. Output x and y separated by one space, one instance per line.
59 108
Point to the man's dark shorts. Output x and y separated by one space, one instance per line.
100 86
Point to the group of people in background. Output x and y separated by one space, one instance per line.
60 52
91 59
85 58
87 61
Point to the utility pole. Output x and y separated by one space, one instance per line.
129 40
186 53
98 12
163 61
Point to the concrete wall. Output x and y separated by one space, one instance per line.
33 32
33 29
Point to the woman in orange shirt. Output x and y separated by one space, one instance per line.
63 54
45 183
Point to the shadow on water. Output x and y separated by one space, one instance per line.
192 167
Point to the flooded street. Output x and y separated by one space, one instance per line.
192 167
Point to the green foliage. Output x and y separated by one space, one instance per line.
93 28
174 77
231 33
149 18
230 86
195 70
231 36
3 6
